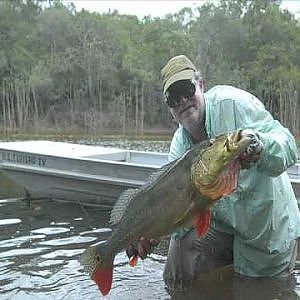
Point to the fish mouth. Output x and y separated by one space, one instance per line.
237 143
216 174
238 137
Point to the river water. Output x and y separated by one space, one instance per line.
41 241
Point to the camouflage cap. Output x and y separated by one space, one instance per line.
177 68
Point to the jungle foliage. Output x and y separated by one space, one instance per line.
62 69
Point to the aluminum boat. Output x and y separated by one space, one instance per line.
91 175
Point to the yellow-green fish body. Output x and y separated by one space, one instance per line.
179 195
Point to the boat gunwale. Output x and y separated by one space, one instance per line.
87 158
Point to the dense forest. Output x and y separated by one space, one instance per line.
64 70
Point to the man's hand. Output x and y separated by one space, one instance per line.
143 249
254 151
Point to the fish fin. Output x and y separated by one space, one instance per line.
121 205
155 175
133 261
103 277
202 222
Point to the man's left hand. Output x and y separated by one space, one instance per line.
143 249
254 151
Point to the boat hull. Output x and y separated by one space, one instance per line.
89 175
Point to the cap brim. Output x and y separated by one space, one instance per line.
183 75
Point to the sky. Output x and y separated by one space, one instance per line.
156 8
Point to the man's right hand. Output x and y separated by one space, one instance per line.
143 249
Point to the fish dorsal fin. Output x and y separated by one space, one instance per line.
120 206
156 174
126 197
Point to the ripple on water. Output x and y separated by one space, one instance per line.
101 234
62 253
60 223
4 264
18 241
96 231
138 281
10 200
50 230
50 263
68 241
5 222
23 252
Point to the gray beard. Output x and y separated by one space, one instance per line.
197 129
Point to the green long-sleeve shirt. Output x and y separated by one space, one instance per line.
262 213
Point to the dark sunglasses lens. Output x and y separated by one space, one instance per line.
189 90
172 100
185 89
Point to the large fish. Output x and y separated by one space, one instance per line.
180 195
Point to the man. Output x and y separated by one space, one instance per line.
256 228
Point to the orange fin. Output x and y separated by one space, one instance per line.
133 261
202 222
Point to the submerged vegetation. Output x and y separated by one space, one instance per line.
63 70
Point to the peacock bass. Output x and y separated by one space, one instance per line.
180 194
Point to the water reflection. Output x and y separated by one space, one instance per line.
9 189
40 243
237 288
39 250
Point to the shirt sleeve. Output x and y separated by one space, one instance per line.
280 150
179 144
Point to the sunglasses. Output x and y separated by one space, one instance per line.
182 89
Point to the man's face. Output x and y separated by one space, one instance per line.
184 99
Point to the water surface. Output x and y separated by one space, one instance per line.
40 242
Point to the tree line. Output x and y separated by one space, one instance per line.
68 70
